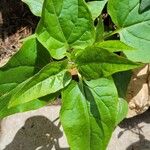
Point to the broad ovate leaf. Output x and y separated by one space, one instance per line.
88 113
25 63
94 62
65 25
96 7
133 27
52 78
35 6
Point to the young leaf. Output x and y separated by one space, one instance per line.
64 25
49 80
100 30
95 62
88 113
133 27
114 46
96 7
35 6
25 63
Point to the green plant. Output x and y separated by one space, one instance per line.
72 41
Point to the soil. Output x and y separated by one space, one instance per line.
16 23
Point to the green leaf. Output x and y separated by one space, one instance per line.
65 25
144 6
133 27
122 80
32 105
96 7
95 62
88 113
24 64
49 80
35 6
100 30
122 110
114 46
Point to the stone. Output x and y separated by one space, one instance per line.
34 130
41 130
138 92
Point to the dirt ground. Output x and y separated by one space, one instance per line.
16 23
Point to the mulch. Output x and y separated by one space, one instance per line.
16 23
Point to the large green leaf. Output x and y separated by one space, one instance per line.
49 80
35 6
36 91
95 62
96 7
65 25
88 114
133 27
25 63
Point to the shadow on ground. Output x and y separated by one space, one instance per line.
38 133
142 144
134 125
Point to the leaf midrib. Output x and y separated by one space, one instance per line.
24 91
59 22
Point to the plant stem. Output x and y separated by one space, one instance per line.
111 33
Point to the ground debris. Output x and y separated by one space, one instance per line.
16 23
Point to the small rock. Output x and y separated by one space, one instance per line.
138 92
